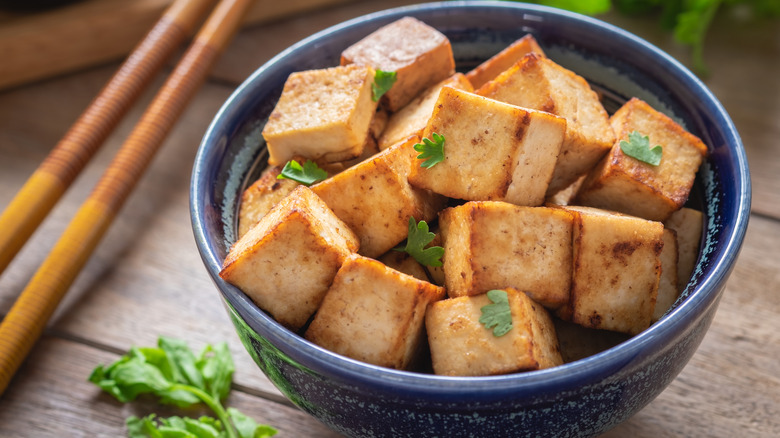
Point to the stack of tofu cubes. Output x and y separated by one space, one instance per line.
533 197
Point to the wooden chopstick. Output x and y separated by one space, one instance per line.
27 318
49 182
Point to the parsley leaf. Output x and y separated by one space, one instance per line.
419 236
432 150
498 314
151 426
174 374
383 81
307 174
638 146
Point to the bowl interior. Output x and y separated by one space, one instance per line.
616 63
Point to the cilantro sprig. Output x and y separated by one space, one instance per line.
419 236
498 315
175 375
307 174
432 151
383 81
638 146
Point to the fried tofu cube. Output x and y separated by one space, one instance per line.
287 261
492 245
503 60
261 196
617 267
687 224
462 346
492 150
376 200
411 119
667 284
538 83
419 55
322 113
403 262
623 183
374 314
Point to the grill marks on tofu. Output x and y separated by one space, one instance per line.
491 245
538 83
617 268
487 149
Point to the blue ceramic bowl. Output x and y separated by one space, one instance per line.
582 398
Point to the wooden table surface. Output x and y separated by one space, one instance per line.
146 278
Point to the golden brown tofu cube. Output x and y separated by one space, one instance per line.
462 346
411 119
287 261
261 196
492 150
492 245
321 114
617 267
403 262
687 224
623 183
419 55
667 284
375 199
374 314
503 60
538 83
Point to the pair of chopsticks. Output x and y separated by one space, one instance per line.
28 316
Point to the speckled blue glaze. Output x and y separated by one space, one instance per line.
582 398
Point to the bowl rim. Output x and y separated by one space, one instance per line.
587 370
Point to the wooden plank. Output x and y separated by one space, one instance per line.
39 45
54 386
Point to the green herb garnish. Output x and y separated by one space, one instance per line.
638 146
383 81
432 151
688 20
498 314
307 174
418 237
174 374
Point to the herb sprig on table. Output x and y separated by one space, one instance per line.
173 373
688 20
